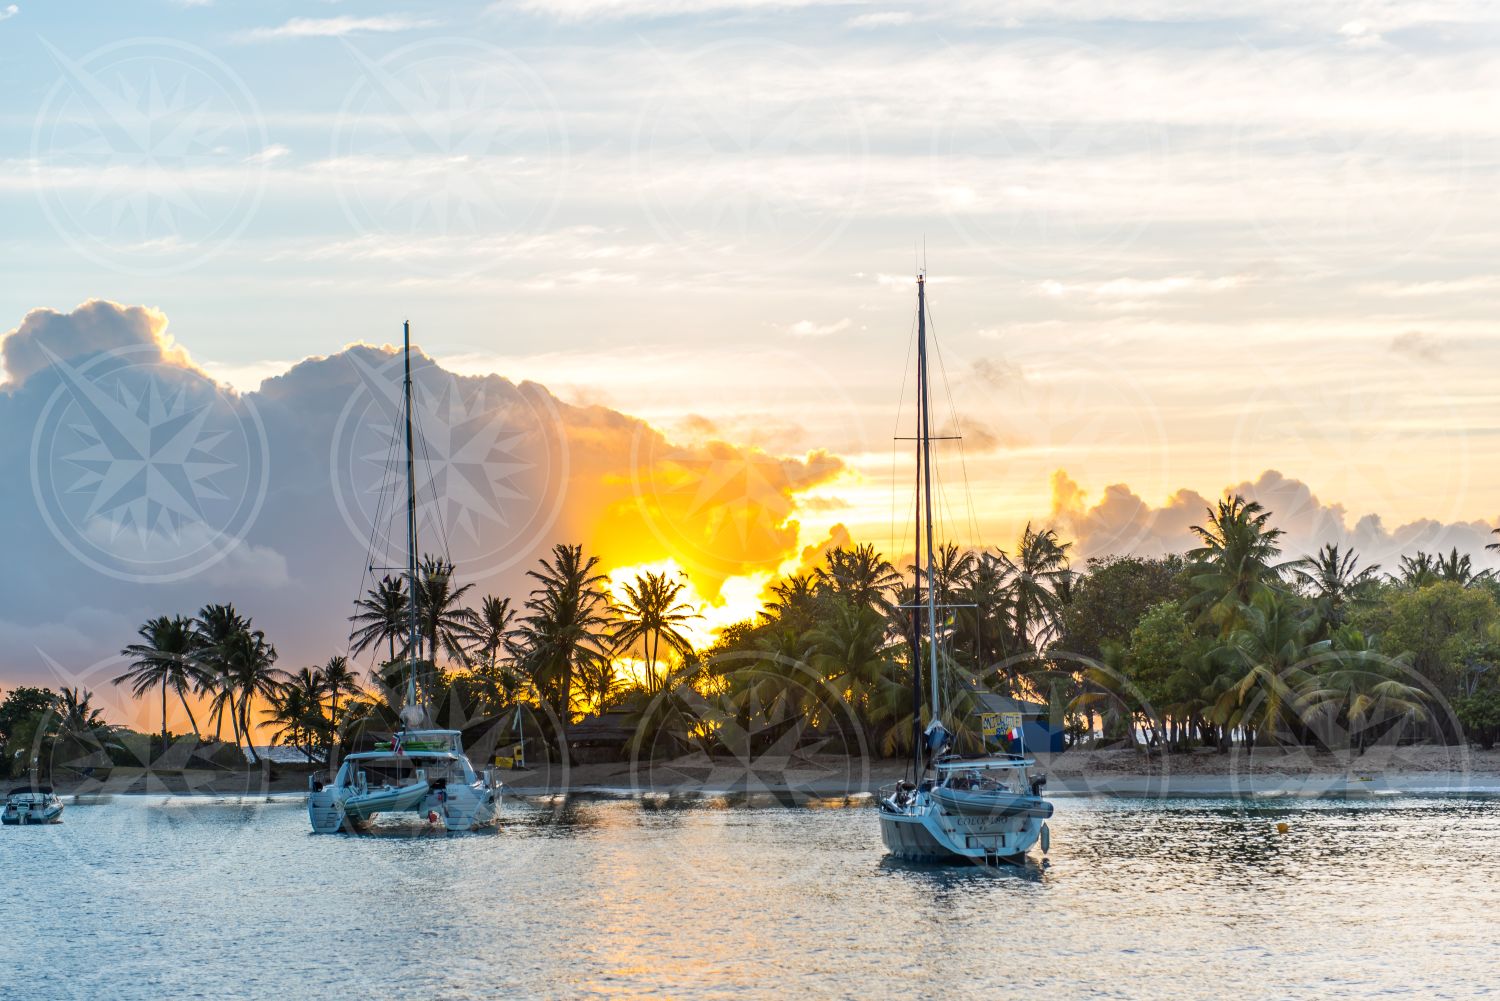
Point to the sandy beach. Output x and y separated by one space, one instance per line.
1269 772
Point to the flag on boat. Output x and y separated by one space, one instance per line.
396 740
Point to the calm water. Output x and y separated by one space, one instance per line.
150 898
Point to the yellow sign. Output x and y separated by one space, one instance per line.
1010 721
515 760
989 724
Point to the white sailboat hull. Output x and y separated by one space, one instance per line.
926 832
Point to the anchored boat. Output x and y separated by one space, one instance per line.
418 770
424 772
952 808
28 805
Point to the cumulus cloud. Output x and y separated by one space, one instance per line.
289 489
1120 521
98 325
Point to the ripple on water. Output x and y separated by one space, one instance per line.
148 897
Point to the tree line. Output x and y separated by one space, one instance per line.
1227 642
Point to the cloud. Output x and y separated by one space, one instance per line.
1122 522
340 27
9 11
882 19
579 10
95 326
808 328
505 471
1415 344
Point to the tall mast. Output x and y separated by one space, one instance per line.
916 612
411 529
926 447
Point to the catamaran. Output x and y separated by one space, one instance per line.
418 770
952 808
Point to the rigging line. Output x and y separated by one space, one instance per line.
900 404
973 518
432 485
366 572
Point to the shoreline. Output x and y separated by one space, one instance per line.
1294 773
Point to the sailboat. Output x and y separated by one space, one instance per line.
418 770
985 809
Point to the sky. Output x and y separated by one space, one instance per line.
659 257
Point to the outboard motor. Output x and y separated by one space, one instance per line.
1036 785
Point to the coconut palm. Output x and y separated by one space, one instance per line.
794 599
859 574
1036 583
1335 582
250 673
1236 562
164 659
1359 688
1458 568
381 616
76 713
1267 660
213 627
1416 571
339 680
442 619
649 615
567 624
851 653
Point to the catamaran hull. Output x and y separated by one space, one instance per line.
456 810
932 835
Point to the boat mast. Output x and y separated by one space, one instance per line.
925 443
916 608
411 531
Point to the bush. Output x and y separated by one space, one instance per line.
1480 715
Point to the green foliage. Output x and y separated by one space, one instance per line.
1480 715
1440 624
1112 595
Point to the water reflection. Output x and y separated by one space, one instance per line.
727 896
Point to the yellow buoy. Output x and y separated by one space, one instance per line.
1283 827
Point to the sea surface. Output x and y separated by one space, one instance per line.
197 897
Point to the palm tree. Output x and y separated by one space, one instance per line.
1360 688
1335 583
164 659
381 617
649 615
852 654
1267 660
213 628
1236 561
1036 584
860 574
492 627
441 618
1417 571
295 713
76 713
567 624
338 680
1458 568
250 673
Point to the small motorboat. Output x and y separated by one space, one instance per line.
32 805
365 802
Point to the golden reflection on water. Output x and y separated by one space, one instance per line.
733 896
